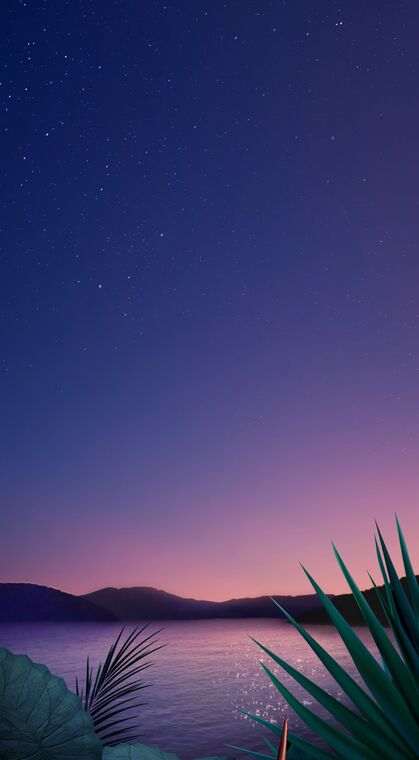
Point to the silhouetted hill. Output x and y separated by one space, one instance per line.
263 606
24 602
146 603
347 606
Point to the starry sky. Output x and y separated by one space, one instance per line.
209 291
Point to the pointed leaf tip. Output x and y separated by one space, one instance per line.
282 752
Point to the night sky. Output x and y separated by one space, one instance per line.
209 291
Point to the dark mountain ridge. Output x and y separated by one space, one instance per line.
146 603
24 602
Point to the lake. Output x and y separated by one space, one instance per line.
207 669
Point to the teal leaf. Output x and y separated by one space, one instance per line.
306 749
142 752
346 717
400 597
367 708
136 752
412 583
39 717
298 754
348 747
251 752
393 662
378 682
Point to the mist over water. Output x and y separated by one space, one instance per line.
207 669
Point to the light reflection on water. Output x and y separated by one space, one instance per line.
207 669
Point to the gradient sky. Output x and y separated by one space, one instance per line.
209 291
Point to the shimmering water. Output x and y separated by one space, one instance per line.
207 669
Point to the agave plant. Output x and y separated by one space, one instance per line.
115 687
381 722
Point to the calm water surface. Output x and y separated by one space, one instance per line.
207 669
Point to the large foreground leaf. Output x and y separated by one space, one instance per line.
39 718
136 752
141 752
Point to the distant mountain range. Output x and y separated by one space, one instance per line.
145 603
23 602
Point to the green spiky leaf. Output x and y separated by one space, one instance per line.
294 753
358 727
384 727
412 583
366 706
394 664
376 679
347 747
307 751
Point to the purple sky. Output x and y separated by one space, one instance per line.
209 292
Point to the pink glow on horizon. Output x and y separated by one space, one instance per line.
251 555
